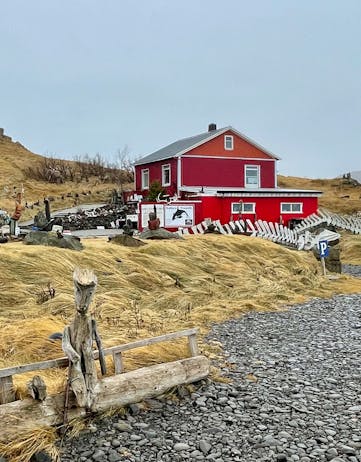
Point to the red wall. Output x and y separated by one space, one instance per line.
241 148
267 208
197 171
155 173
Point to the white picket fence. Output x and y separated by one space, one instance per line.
347 222
300 237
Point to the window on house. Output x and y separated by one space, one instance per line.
243 207
291 207
228 142
166 175
145 178
251 176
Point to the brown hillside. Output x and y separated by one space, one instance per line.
338 195
15 160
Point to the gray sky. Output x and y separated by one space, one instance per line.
88 76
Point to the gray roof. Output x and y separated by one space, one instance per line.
181 146
178 147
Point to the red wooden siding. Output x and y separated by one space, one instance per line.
267 208
197 171
241 148
155 173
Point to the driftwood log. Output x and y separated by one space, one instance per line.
119 390
37 388
78 341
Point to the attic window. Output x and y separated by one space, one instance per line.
228 142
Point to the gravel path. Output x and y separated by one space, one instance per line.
295 396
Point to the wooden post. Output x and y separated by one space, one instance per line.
118 363
78 340
193 345
323 263
7 392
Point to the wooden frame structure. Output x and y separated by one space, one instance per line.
7 393
114 391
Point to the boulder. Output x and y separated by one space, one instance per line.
125 239
160 233
52 239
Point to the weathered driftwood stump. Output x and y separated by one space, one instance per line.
78 341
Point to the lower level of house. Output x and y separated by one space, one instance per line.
272 205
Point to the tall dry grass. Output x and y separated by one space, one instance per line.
161 287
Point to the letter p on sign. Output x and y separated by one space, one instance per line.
323 248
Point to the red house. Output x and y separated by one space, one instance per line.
226 175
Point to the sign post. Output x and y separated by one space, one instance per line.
324 252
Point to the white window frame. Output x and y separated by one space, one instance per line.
253 167
228 139
145 171
241 208
164 168
293 205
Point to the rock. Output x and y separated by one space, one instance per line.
181 447
51 239
204 446
158 234
126 240
123 426
40 457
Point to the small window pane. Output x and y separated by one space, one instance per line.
248 208
236 207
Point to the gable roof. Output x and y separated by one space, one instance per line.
180 147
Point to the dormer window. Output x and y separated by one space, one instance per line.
228 142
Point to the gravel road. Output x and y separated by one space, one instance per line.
295 395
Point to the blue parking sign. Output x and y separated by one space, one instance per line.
323 249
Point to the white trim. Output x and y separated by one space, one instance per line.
166 167
231 139
198 156
142 172
291 204
276 194
179 175
276 178
255 167
222 191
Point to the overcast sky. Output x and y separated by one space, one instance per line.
91 76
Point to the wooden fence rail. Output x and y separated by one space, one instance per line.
7 393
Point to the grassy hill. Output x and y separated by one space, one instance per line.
338 196
16 160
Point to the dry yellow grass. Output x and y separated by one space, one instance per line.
351 249
338 196
220 276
